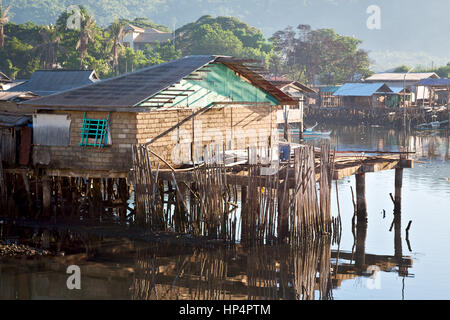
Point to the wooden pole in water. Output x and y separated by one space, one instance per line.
360 245
361 207
397 213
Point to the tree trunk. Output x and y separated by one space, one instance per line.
2 36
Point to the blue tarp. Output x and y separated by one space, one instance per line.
362 89
435 82
397 89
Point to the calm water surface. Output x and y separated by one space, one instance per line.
381 265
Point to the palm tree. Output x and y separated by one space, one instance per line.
50 45
87 33
117 32
3 20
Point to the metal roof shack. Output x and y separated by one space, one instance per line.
283 84
399 90
366 95
48 82
328 89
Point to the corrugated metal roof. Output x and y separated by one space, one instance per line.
280 84
392 76
47 82
12 121
435 82
362 89
133 28
398 89
13 96
129 90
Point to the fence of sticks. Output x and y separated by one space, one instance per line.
259 200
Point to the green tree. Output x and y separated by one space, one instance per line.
87 33
161 53
116 34
321 55
131 60
49 46
17 58
402 69
222 36
146 23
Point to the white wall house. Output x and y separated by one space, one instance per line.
137 38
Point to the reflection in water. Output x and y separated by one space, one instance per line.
255 273
124 269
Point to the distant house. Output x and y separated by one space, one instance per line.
365 95
408 80
5 81
326 97
137 38
403 94
47 82
439 90
298 91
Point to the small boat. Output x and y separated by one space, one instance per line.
311 132
431 125
311 129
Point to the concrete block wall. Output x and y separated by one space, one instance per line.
111 157
242 125
236 126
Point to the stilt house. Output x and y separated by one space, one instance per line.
177 107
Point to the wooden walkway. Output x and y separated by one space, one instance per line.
346 164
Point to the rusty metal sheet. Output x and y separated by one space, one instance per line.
25 146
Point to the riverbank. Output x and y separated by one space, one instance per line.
14 250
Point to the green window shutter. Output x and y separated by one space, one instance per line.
94 132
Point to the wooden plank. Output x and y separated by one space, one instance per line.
88 174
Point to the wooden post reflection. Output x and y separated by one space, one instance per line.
361 225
